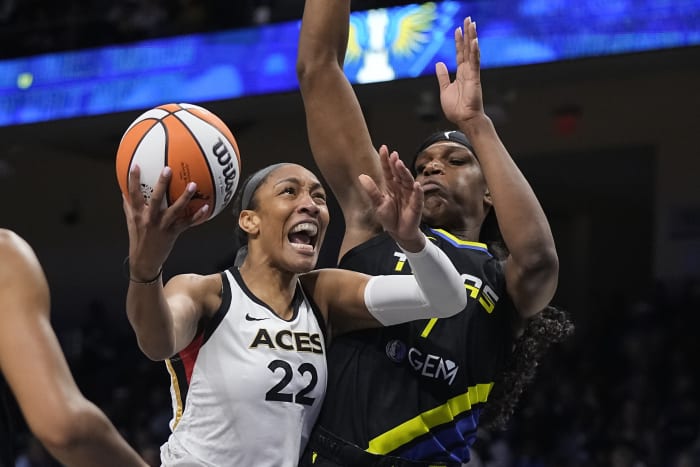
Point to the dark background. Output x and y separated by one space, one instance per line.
608 144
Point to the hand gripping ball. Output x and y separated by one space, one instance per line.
194 143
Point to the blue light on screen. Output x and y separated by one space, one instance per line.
386 44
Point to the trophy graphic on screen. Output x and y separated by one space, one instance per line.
377 36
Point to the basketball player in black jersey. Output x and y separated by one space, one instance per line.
413 394
32 366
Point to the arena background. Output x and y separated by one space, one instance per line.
610 145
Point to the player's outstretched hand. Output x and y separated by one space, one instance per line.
399 204
153 227
462 98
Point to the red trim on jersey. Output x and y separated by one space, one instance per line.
188 355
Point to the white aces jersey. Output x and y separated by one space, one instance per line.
248 389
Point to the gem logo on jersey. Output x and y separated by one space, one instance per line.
432 366
428 365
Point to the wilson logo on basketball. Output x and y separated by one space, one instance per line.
196 144
226 162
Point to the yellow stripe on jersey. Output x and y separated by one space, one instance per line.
423 423
459 241
176 388
428 327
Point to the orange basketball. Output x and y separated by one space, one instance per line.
194 143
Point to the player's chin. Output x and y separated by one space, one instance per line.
299 267
433 210
301 261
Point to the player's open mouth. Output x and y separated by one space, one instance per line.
303 236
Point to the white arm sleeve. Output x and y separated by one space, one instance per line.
435 290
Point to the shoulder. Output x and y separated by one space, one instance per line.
328 278
19 262
196 281
206 289
13 246
23 285
311 281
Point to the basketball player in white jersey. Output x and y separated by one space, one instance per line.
246 347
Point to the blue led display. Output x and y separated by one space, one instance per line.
386 44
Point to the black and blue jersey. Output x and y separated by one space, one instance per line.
416 390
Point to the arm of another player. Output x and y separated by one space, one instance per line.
165 320
338 135
532 269
436 289
350 300
73 429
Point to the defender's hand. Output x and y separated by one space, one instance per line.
462 98
398 207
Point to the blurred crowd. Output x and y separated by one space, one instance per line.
30 27
623 392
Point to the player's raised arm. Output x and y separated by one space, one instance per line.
532 268
338 134
165 321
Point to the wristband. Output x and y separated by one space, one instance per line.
127 273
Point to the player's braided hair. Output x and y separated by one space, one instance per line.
548 327
552 325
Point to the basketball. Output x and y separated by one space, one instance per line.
194 143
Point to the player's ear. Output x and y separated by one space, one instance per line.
487 198
249 222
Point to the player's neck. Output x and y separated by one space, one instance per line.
272 286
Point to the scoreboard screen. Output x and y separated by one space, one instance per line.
385 44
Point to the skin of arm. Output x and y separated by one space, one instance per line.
165 319
340 141
532 268
72 428
329 287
